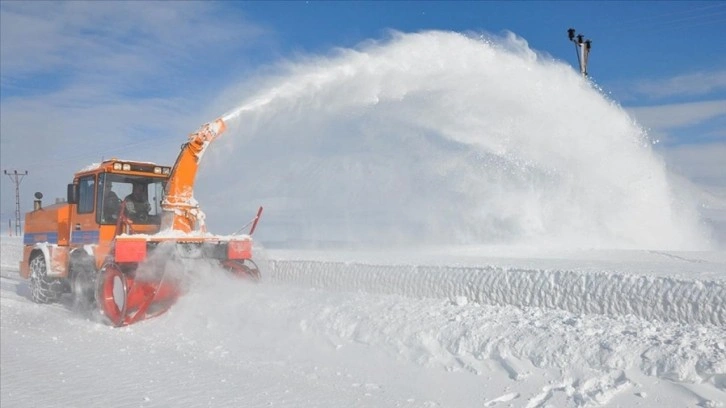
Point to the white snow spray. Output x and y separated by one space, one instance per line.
440 137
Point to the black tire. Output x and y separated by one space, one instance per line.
42 288
83 286
242 268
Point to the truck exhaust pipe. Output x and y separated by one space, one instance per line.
37 203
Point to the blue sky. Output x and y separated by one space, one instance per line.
82 81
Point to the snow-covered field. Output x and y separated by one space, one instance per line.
458 327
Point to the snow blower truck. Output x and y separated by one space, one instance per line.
114 255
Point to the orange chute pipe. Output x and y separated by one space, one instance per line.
180 213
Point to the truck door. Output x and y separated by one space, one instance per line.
84 229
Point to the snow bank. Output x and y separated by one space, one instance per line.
11 252
650 297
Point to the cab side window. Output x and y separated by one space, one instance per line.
86 190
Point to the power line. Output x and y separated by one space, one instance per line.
17 178
670 17
672 21
683 25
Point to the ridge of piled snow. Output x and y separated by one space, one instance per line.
648 297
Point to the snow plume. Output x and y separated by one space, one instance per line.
183 266
444 137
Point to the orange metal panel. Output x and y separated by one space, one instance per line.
129 250
45 219
84 222
63 222
106 235
24 267
58 261
239 249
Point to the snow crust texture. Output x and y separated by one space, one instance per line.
661 298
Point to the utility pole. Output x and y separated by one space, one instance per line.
17 178
582 48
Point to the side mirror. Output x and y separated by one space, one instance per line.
72 194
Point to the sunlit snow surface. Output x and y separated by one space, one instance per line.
461 328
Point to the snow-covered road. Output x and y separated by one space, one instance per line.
368 330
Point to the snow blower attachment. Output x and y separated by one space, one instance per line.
121 255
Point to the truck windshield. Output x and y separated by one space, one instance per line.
140 198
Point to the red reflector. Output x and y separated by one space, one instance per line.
130 251
239 249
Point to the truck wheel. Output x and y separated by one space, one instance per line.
112 293
243 268
83 287
42 288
